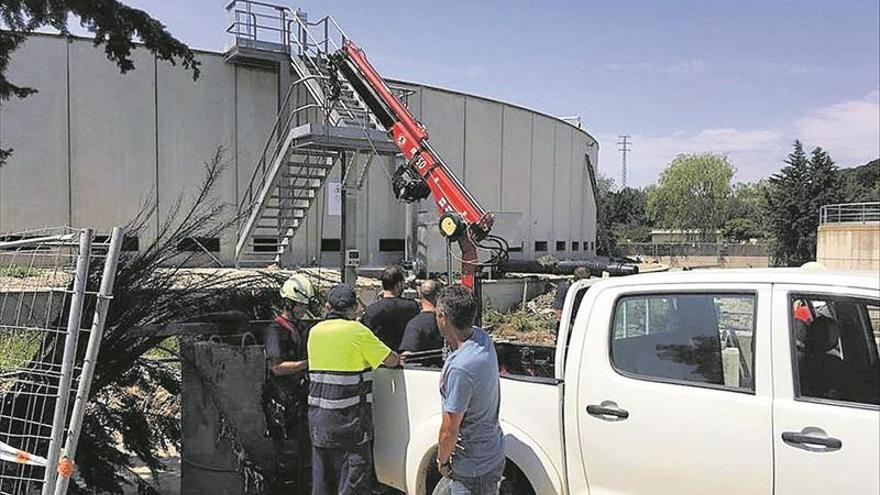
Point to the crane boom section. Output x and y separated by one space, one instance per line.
411 138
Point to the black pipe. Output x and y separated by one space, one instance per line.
567 267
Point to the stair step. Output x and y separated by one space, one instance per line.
277 227
296 215
301 176
316 166
294 197
288 203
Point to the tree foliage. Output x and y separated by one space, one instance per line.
748 201
621 216
692 193
861 184
740 229
115 26
794 197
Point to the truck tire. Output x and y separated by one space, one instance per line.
515 481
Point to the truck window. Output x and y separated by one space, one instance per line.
699 339
835 340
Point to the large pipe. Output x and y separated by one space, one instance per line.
553 266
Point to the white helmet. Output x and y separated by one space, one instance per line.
298 289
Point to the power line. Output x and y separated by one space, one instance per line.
624 145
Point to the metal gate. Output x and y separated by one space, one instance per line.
54 297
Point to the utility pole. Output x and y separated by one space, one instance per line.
624 145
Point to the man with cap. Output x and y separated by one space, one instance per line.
285 395
342 355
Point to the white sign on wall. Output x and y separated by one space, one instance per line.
334 198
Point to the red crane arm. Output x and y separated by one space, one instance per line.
411 138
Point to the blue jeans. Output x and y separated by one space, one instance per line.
487 484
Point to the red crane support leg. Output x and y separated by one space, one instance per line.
468 260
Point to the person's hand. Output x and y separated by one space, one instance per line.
404 356
445 469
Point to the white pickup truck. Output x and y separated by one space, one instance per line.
721 382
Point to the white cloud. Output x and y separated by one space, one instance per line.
849 130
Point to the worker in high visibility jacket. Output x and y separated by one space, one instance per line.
342 355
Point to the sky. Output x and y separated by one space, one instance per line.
743 78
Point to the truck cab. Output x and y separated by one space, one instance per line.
723 382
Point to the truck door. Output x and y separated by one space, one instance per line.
827 390
674 392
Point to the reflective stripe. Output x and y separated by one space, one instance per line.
338 403
340 379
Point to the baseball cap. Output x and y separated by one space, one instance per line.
342 297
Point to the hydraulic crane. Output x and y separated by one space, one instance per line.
462 217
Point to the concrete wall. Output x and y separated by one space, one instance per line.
94 146
849 246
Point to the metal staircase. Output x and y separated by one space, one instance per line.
311 134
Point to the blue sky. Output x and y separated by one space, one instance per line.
743 78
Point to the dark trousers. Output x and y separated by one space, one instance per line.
342 471
292 467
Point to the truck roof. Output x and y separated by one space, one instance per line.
812 276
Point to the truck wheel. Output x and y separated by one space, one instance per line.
515 481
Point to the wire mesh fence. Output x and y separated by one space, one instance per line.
693 249
51 321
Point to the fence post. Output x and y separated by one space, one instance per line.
70 341
105 295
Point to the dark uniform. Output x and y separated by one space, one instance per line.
285 402
342 354
387 318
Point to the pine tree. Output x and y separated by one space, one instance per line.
794 198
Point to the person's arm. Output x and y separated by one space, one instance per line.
449 431
290 367
410 341
459 390
374 351
367 317
393 360
559 299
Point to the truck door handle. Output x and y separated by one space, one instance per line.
603 412
798 438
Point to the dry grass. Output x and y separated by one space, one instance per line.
534 324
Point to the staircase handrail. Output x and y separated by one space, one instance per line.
278 130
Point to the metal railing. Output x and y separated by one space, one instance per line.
276 27
850 213
308 44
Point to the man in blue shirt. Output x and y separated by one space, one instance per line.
471 444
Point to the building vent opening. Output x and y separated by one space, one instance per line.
129 242
392 245
540 245
200 244
331 245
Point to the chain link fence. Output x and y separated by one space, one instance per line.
695 249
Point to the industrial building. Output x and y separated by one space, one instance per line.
93 146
